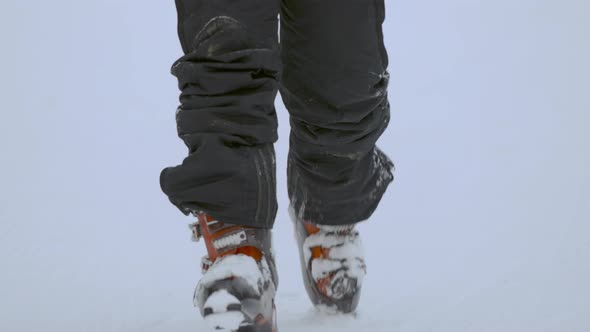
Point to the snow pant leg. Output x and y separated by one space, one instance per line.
228 79
334 85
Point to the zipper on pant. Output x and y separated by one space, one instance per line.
267 173
259 175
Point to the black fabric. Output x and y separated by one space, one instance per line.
229 78
333 82
335 88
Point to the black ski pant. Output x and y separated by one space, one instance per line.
330 67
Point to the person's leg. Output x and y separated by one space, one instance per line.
228 78
334 85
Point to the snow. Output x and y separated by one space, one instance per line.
329 240
241 266
345 250
230 320
320 268
486 227
220 300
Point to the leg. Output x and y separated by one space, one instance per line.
334 85
228 78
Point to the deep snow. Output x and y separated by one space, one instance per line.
486 227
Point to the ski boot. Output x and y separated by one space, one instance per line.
237 290
332 263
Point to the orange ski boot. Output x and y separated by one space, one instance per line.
237 290
332 263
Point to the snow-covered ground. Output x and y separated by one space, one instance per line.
486 228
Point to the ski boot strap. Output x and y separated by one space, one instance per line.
340 229
224 239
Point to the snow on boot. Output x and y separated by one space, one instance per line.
237 290
332 263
